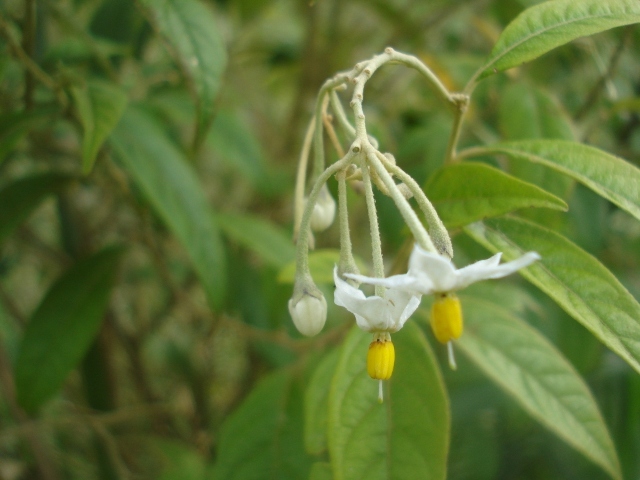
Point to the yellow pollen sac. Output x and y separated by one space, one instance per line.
446 318
380 359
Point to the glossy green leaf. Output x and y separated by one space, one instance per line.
316 404
63 326
528 367
577 281
551 24
171 187
611 177
197 45
24 195
321 471
263 437
463 193
266 240
407 436
100 106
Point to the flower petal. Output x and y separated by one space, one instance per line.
375 313
435 271
486 269
406 282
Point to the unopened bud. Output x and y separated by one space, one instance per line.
309 314
324 211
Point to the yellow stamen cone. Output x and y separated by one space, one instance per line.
446 318
380 359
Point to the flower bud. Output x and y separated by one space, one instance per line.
446 318
309 314
324 211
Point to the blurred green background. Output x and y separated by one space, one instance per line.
161 342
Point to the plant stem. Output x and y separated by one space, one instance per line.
409 216
436 229
376 243
302 246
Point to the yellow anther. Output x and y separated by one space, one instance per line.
446 318
380 358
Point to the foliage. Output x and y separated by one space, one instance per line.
147 171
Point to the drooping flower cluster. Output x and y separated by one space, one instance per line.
431 271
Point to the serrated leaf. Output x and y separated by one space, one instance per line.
577 281
611 177
528 367
171 187
197 45
551 24
407 436
266 240
263 437
20 197
100 106
316 404
63 326
463 193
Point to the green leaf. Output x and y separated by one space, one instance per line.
191 30
233 142
526 112
577 281
100 106
321 263
24 195
463 193
407 436
63 326
178 460
528 367
321 471
611 177
260 236
15 125
316 404
263 437
551 24
171 187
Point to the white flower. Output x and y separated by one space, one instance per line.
432 273
309 314
374 313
